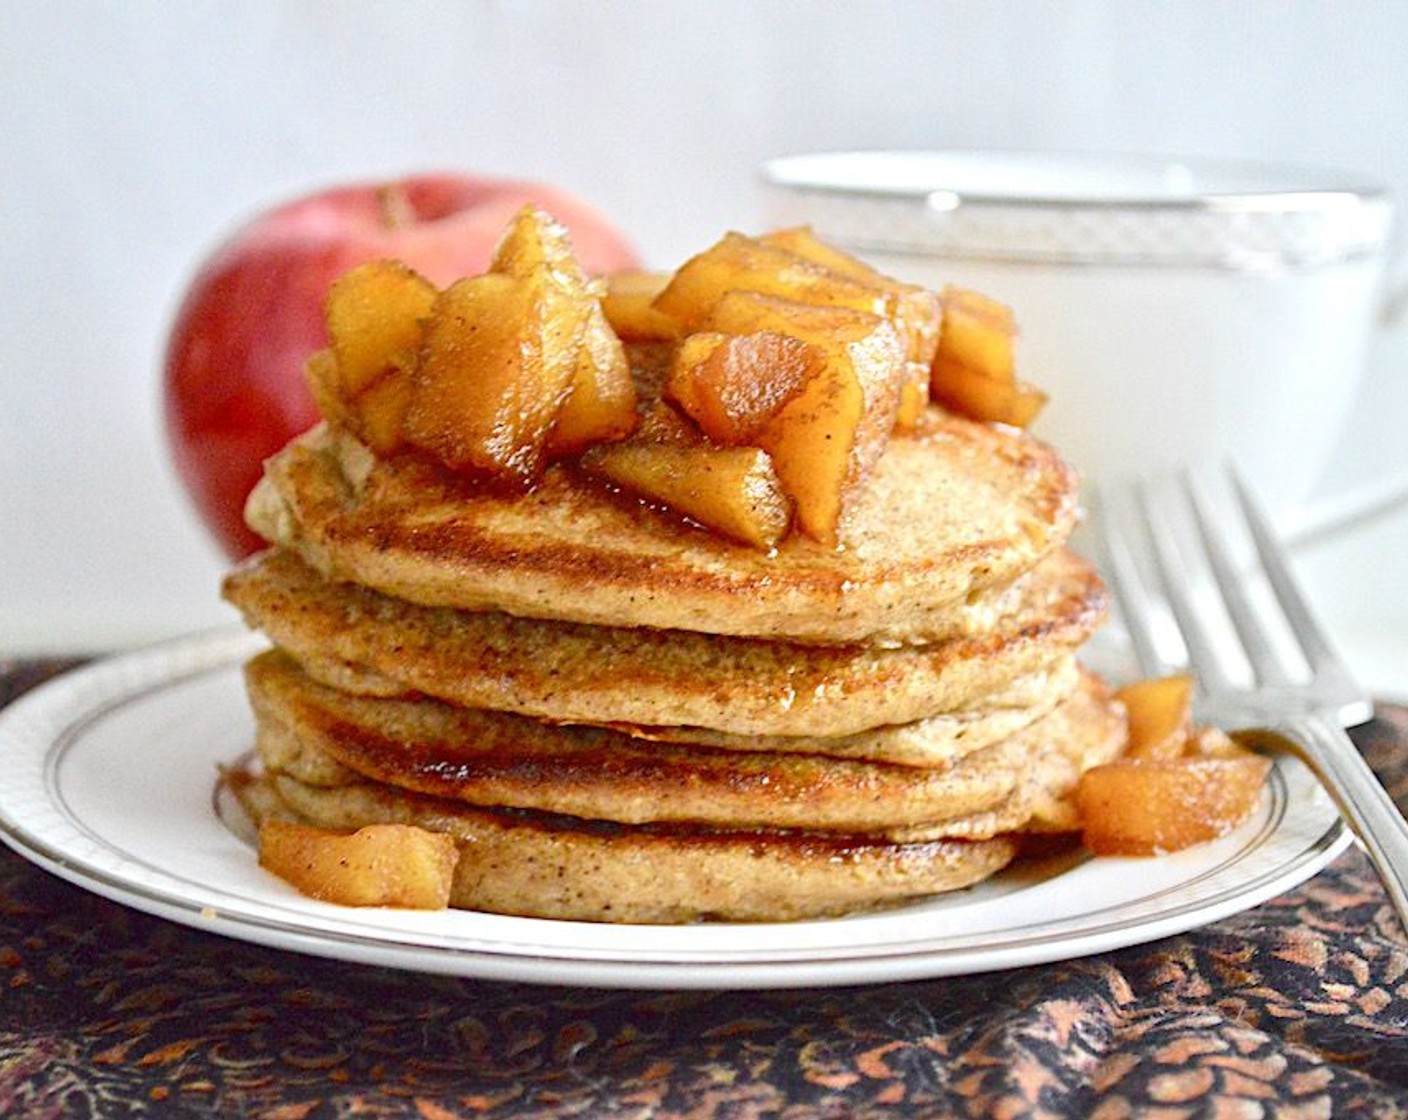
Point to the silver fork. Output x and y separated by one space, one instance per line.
1259 661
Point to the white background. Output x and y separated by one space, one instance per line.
134 135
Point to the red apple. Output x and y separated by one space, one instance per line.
234 391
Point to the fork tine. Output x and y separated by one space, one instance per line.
1351 703
1126 584
1202 649
1316 647
1256 644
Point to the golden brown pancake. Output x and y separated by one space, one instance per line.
954 509
933 741
545 866
359 640
502 760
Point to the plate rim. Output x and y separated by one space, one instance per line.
55 713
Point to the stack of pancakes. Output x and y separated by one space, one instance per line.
623 717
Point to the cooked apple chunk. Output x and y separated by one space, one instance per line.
1178 784
601 404
496 365
1145 806
739 263
375 315
979 333
320 375
917 312
826 439
629 306
1160 712
379 865
534 240
732 386
729 490
974 370
379 411
968 393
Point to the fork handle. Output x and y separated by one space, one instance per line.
1362 800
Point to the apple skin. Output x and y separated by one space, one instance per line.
233 390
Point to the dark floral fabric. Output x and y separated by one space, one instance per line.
1297 1009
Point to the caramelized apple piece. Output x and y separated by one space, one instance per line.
379 865
917 312
974 370
320 374
730 490
826 439
379 414
1160 711
537 248
375 314
739 263
629 305
534 240
1178 784
732 386
978 333
601 405
497 363
519 365
1147 806
962 390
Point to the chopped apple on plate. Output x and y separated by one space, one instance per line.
379 865
1143 806
1160 711
1178 784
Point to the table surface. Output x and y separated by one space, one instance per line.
1297 1008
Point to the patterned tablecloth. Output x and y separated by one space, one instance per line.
1298 1008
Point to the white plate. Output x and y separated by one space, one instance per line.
110 778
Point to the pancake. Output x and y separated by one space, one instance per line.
364 641
953 509
501 760
933 741
545 866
